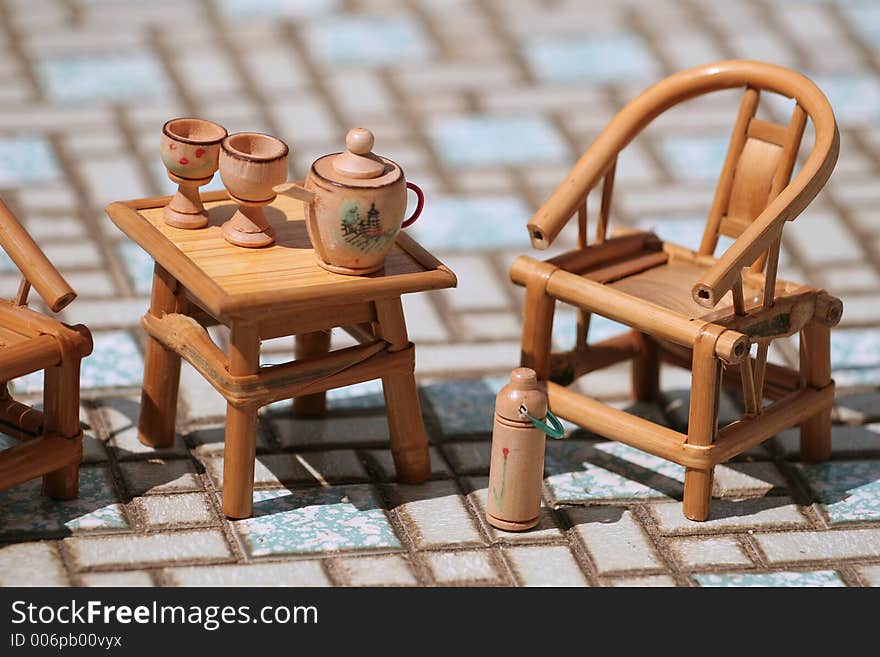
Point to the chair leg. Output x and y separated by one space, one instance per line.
538 325
311 344
702 424
61 413
815 367
645 369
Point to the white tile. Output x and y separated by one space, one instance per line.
183 509
731 515
126 579
439 514
614 539
465 567
197 545
718 551
31 564
292 573
819 545
390 570
551 565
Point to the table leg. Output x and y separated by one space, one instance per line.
306 345
161 371
240 450
409 442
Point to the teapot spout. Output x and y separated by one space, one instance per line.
296 191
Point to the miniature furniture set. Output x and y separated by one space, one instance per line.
267 259
204 277
691 308
50 441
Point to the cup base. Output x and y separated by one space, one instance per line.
350 271
511 526
248 240
185 221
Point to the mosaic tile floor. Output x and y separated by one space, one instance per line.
486 105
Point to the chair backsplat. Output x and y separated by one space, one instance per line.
758 165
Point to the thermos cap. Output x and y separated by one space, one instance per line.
522 389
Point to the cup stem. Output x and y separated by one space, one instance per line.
185 210
248 227
250 219
187 200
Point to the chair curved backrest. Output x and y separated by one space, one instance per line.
754 197
35 267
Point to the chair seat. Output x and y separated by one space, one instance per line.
669 285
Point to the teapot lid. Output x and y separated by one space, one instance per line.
357 165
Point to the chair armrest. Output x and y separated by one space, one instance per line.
32 262
721 277
29 356
551 217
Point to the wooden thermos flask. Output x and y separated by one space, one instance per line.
516 467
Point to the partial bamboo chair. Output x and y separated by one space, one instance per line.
50 441
690 308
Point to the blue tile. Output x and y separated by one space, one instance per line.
846 490
473 223
369 41
27 160
621 58
694 158
360 396
855 356
115 361
316 520
464 406
865 19
138 265
580 471
277 8
855 97
6 264
816 578
102 77
24 510
482 141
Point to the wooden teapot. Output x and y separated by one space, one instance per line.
356 203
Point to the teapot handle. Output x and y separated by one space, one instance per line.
419 205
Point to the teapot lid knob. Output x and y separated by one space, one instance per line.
358 160
359 141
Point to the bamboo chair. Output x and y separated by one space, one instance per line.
690 308
50 441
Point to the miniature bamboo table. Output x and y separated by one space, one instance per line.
200 280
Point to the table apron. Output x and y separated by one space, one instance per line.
309 320
306 318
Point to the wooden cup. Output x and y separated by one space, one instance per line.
251 164
190 152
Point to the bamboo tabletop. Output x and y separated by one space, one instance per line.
230 280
